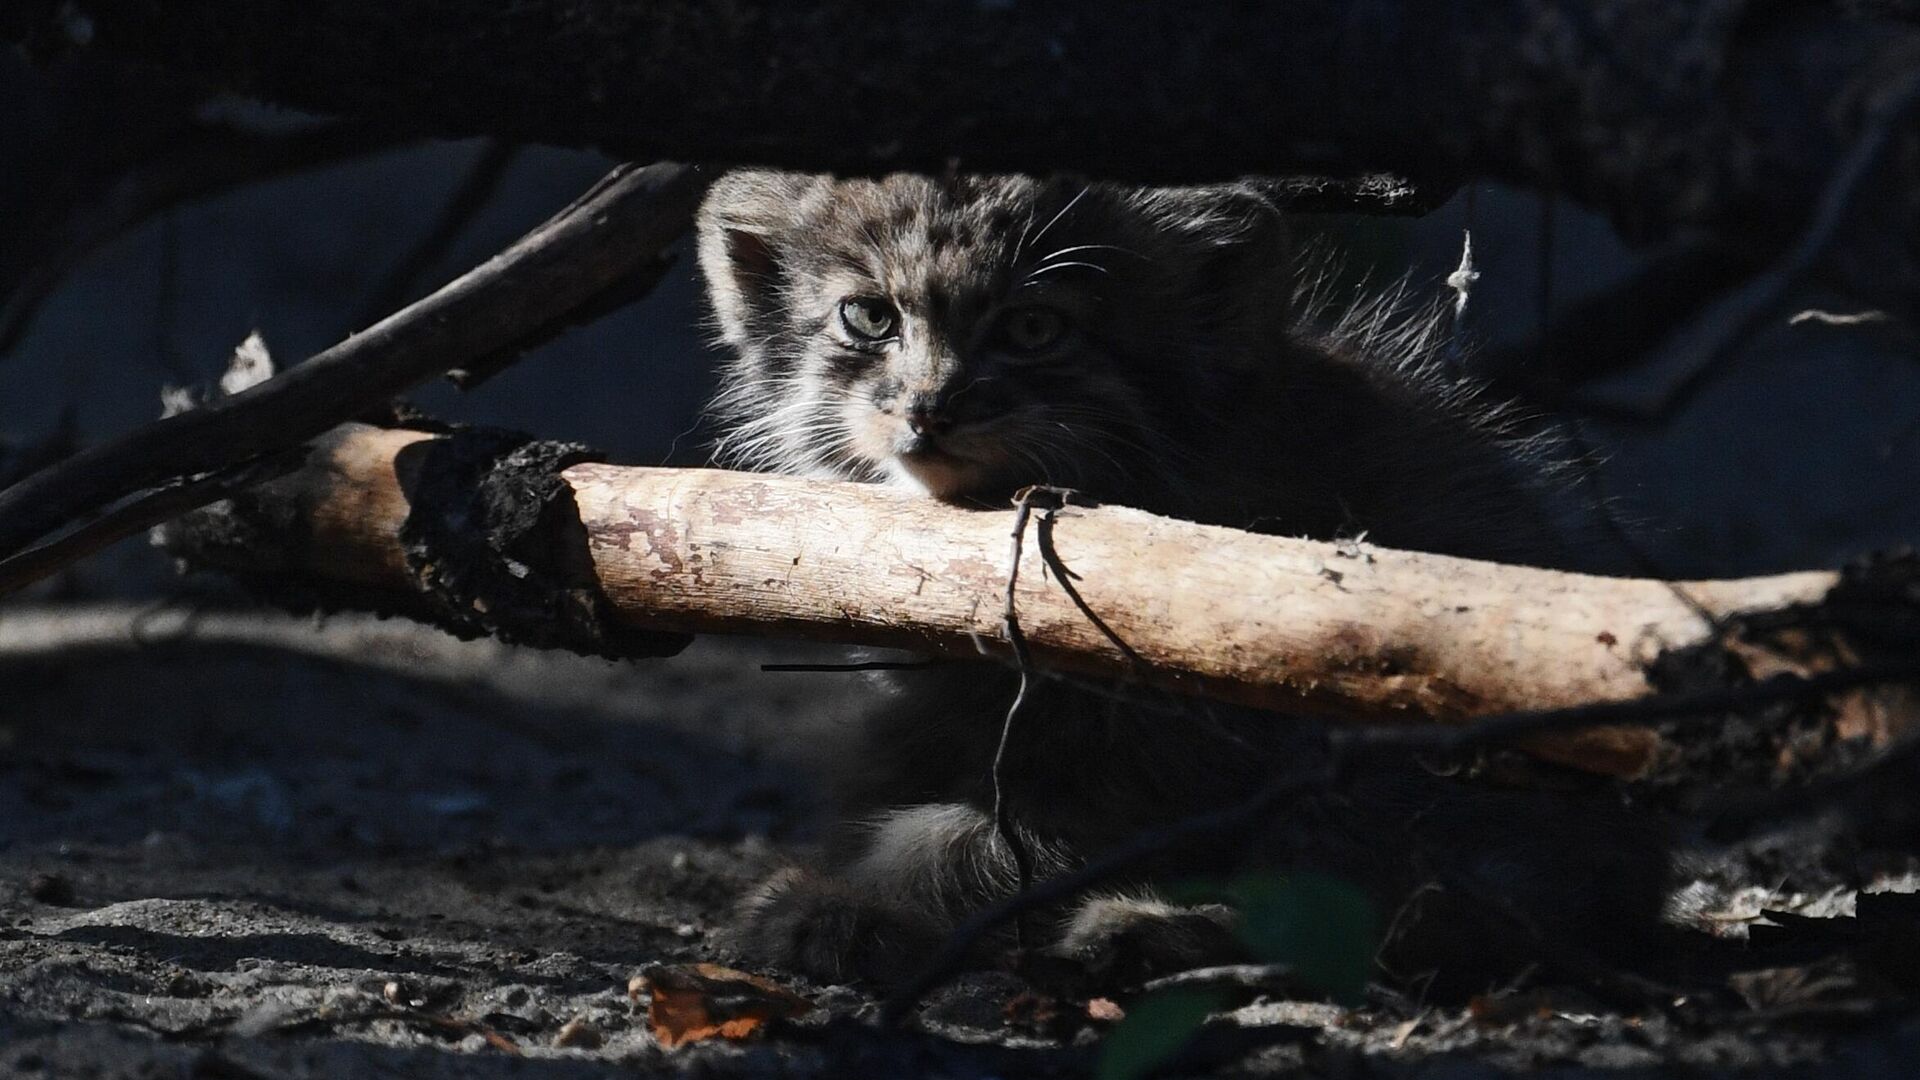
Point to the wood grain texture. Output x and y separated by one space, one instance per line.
1337 630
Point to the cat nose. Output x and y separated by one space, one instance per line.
928 419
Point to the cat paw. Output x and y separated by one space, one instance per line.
1125 941
827 930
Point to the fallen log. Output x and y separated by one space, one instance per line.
1342 630
1665 116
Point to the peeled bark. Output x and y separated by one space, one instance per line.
1337 630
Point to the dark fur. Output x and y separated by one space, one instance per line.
1195 381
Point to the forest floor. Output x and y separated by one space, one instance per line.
384 852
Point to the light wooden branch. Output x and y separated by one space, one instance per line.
1339 630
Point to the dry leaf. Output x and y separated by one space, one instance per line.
1501 1010
691 1002
1039 1014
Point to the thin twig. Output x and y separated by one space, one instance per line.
1003 823
1050 555
473 374
1050 500
141 512
1700 347
1238 976
1835 318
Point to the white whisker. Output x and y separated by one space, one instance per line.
1055 220
1096 267
1077 248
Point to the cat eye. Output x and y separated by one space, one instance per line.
1032 329
868 319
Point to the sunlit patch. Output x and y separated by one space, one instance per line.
883 444
938 474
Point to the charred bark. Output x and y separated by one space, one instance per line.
1343 631
1728 113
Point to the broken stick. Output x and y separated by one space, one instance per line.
617 229
1341 630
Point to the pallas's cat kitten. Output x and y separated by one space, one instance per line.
969 336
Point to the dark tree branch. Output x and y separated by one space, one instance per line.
622 224
141 512
1682 362
1660 114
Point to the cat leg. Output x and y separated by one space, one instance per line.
880 914
1127 939
830 930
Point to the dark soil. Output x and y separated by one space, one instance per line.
411 856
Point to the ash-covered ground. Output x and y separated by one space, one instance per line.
373 850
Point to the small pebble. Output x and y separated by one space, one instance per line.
578 1034
404 996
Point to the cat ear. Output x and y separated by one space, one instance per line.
743 227
1234 243
1249 262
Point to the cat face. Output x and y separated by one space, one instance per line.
972 335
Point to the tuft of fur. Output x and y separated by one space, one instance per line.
1187 366
1200 375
